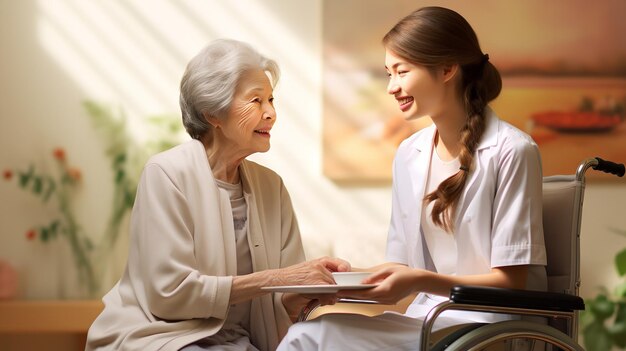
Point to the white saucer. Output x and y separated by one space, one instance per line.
316 289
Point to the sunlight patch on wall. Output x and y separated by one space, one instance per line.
93 44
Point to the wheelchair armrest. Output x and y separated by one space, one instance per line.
488 296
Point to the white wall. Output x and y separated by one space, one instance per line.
132 53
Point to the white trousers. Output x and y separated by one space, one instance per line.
342 332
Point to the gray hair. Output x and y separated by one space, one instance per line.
210 80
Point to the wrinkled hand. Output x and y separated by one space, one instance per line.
394 284
314 272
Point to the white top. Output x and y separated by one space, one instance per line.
441 244
240 224
238 319
498 220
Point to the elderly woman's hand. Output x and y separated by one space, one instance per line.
314 272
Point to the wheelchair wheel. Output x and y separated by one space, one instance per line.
509 333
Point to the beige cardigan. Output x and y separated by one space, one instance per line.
176 286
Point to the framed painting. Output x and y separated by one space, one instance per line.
563 65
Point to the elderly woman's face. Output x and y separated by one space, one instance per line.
251 115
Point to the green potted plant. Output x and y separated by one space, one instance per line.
603 322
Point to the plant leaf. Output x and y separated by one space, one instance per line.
618 333
618 330
597 338
620 290
620 262
50 232
119 160
602 307
51 187
54 228
25 177
620 316
44 234
37 185
88 244
129 199
119 177
586 317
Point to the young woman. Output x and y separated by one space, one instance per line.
466 192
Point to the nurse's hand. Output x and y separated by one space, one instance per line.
313 272
394 284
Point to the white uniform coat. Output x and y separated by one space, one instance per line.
498 220
176 286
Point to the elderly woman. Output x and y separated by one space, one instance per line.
209 229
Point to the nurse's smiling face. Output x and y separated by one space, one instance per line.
418 90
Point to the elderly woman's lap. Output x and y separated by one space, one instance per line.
216 344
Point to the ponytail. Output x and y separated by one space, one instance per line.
481 83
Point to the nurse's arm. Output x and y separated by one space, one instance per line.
509 277
397 282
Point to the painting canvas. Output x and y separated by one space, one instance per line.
563 65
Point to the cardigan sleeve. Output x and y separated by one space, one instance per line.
162 260
291 253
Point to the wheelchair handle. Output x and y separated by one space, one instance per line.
609 167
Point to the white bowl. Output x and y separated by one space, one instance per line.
350 278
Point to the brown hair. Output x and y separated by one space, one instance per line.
434 36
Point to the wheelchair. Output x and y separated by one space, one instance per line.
557 308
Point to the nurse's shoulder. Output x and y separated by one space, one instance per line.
514 144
